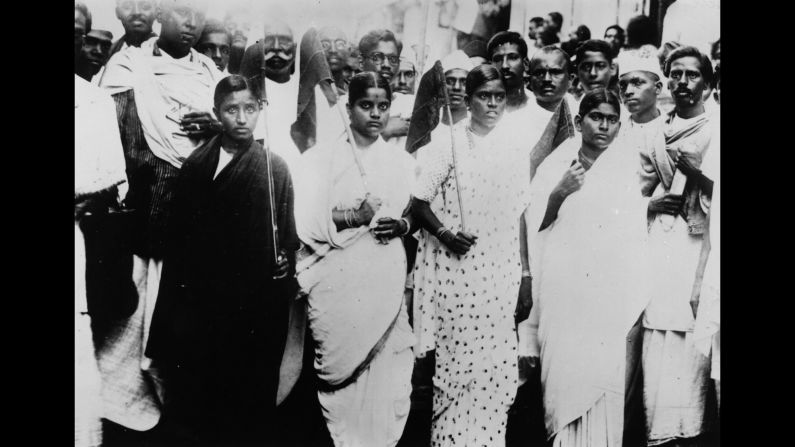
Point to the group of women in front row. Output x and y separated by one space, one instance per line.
586 223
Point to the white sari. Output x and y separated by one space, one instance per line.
356 313
587 269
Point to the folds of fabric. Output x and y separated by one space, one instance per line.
588 273
165 89
356 290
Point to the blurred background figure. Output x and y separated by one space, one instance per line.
406 77
216 43
137 17
94 53
237 24
641 37
615 36
337 49
554 21
715 52
576 37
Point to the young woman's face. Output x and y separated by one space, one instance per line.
238 114
370 113
487 103
599 126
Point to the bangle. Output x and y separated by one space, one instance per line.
408 226
350 218
526 274
440 232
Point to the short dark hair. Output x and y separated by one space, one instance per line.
80 6
705 65
583 33
504 37
538 21
548 36
557 18
641 30
596 46
480 75
619 32
476 48
370 40
716 77
362 81
595 98
230 84
214 26
714 49
549 49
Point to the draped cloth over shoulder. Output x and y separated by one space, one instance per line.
360 328
587 263
165 88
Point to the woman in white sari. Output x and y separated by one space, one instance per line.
351 222
587 265
468 269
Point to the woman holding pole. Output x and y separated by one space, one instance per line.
468 199
349 199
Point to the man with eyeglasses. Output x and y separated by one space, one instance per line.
337 50
216 43
676 376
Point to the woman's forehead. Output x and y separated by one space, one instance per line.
493 86
375 94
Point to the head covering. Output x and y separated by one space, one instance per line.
100 34
631 62
457 59
407 56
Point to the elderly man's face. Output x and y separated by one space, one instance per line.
216 46
384 59
335 46
137 16
96 50
238 27
182 22
279 50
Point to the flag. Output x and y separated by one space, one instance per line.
559 129
314 71
429 100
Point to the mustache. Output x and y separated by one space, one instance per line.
285 56
683 90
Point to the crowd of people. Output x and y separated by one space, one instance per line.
275 232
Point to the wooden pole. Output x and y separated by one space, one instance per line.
266 145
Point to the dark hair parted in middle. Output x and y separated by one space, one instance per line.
480 75
230 84
598 96
504 37
362 81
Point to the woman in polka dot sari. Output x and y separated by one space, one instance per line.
468 269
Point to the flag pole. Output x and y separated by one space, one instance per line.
455 165
426 4
349 131
266 145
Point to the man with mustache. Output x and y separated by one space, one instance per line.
237 24
94 53
278 48
137 17
675 374
508 52
163 94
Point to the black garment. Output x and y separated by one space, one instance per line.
219 326
152 180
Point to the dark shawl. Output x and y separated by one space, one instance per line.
220 322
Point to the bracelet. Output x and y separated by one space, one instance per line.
350 218
526 274
408 226
440 232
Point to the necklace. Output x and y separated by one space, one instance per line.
585 161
